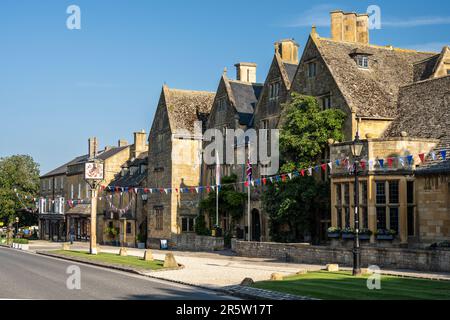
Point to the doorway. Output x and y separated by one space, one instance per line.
256 226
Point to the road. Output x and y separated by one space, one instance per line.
30 276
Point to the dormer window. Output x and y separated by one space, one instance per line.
362 61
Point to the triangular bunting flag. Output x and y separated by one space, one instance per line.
444 155
381 162
422 157
324 167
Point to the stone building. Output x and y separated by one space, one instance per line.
52 203
174 163
267 113
361 79
64 203
126 209
233 109
406 195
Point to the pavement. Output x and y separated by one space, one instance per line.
25 275
213 270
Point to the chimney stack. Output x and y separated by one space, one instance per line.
246 72
288 50
350 27
122 143
140 143
92 147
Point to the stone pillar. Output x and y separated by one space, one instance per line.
403 212
334 222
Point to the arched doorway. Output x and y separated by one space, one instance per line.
256 225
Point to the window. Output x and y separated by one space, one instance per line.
362 61
339 205
71 192
363 209
347 204
62 183
159 218
221 105
411 209
343 204
312 69
87 190
187 224
274 91
79 191
326 102
448 71
158 175
50 184
128 227
387 205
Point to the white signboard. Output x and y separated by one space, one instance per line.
93 171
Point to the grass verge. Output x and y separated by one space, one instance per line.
114 259
343 286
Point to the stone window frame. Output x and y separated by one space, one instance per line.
159 218
323 98
411 208
190 223
343 205
274 90
311 72
387 205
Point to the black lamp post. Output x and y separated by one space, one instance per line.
357 147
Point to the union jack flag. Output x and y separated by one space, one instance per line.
249 170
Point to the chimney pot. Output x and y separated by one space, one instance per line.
122 143
92 147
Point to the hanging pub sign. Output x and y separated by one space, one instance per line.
93 171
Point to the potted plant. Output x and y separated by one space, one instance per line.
140 239
364 234
348 233
384 234
334 233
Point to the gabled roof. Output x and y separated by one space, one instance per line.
291 69
184 107
243 97
424 112
129 179
372 92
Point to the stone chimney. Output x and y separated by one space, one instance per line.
350 27
246 72
92 147
288 50
140 143
122 143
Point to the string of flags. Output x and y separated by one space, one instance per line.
345 163
364 164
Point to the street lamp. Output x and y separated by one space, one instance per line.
356 147
94 175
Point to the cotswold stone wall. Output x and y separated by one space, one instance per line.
194 242
388 258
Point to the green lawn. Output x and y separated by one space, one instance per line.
342 286
115 259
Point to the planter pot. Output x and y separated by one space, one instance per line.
141 245
334 235
364 237
348 236
385 237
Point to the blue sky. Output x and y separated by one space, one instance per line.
58 87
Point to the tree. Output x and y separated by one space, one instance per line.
294 207
19 175
231 202
305 131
